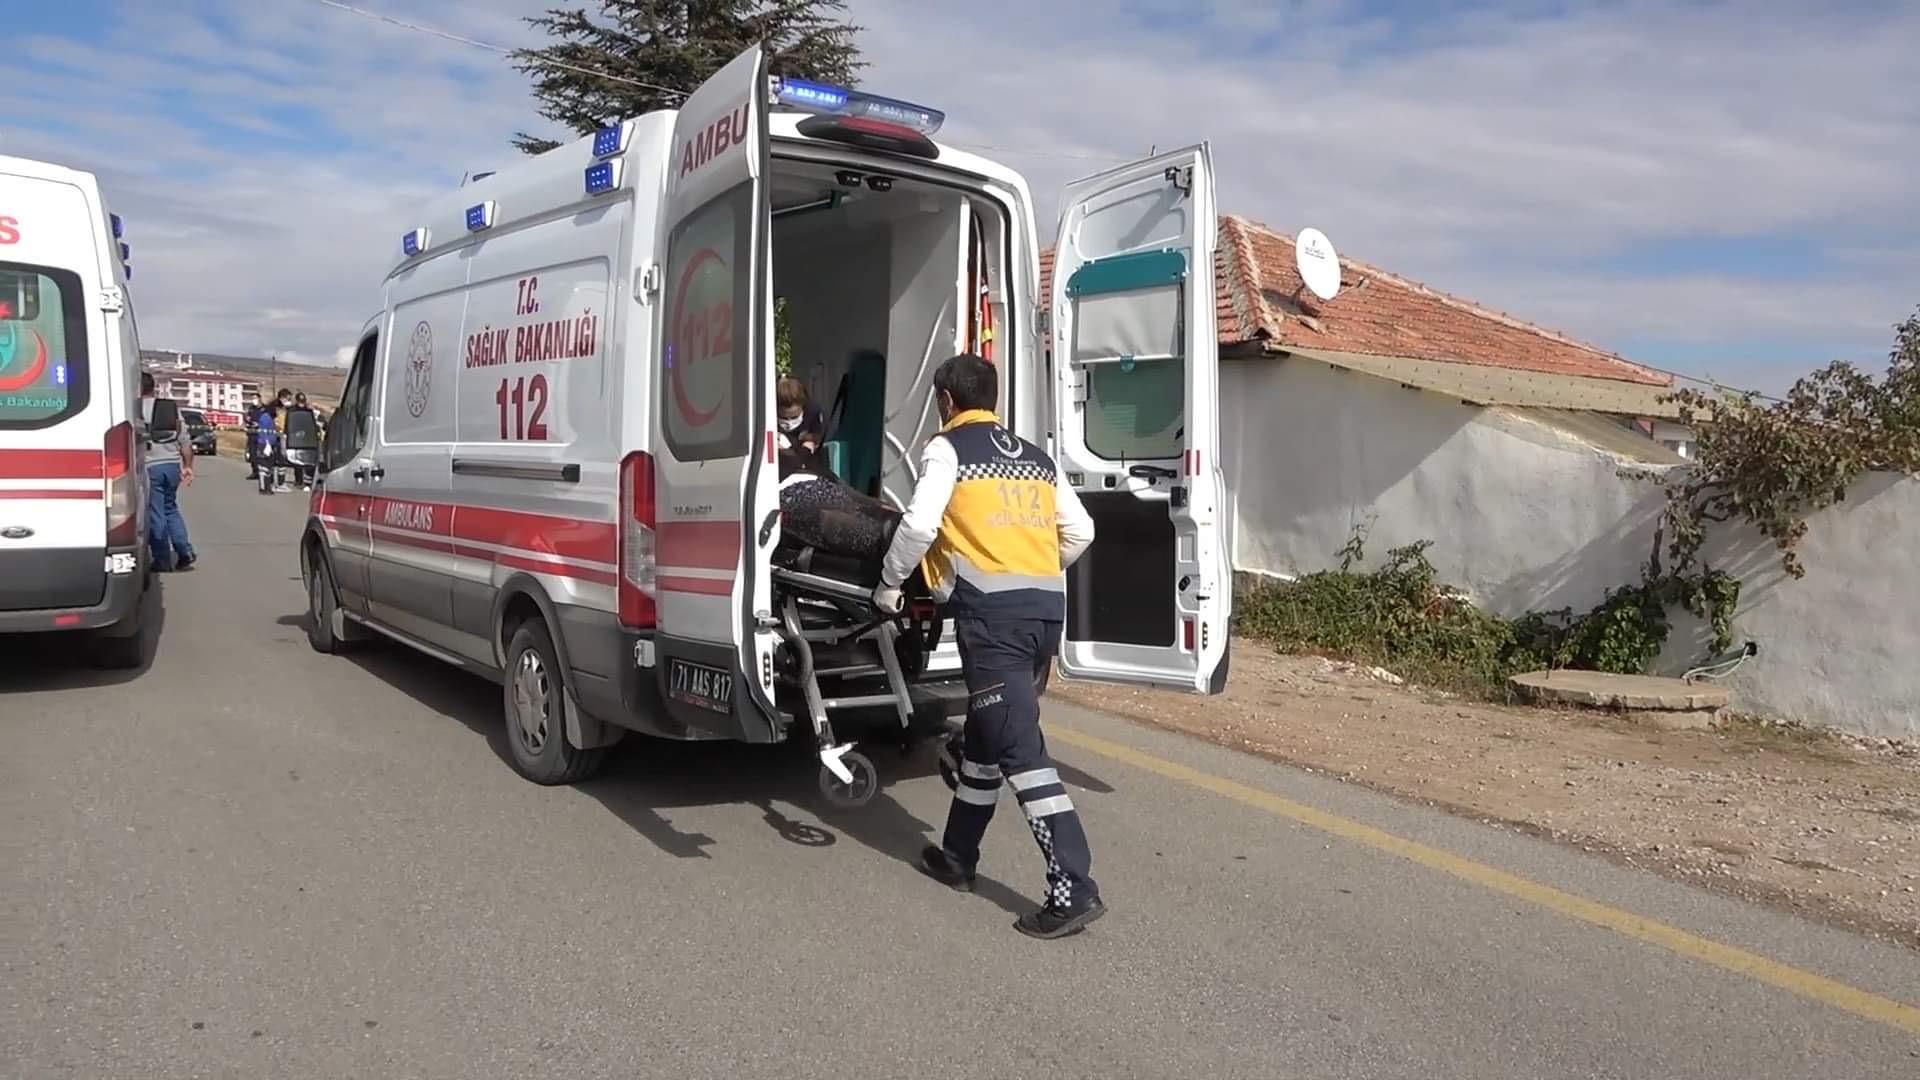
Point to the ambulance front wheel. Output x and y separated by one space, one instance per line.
536 712
851 796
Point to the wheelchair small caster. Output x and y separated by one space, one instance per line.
851 796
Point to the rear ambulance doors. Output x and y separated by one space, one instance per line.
61 455
713 440
1136 369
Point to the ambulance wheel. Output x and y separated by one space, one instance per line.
327 630
866 782
536 712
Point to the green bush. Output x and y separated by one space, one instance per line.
1402 617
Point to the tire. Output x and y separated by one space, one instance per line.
322 602
535 711
122 651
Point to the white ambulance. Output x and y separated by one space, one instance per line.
73 480
554 459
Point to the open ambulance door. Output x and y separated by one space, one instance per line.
1137 424
714 476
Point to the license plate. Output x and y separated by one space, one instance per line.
699 685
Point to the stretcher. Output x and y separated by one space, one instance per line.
845 655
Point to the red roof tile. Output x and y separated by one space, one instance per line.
1259 299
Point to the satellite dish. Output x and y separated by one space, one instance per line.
1319 265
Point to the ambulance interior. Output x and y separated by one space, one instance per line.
877 279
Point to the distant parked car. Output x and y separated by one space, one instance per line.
199 431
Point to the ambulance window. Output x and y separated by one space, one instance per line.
1132 344
347 427
706 362
43 346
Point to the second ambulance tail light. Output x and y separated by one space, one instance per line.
123 495
636 588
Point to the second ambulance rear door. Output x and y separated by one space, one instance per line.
1137 404
712 445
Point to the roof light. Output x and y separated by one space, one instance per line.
602 177
125 251
829 100
117 226
414 242
480 216
612 139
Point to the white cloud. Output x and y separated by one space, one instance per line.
267 155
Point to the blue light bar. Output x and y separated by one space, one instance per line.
480 216
117 227
824 99
414 242
612 139
603 177
125 251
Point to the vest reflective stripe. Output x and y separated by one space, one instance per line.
998 549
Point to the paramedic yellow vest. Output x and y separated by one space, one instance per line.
997 554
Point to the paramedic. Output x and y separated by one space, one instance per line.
996 529
169 468
800 423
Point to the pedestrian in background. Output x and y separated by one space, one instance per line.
169 468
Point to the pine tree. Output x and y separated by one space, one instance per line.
672 46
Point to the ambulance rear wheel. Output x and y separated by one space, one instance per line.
536 712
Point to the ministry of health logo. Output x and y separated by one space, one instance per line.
419 369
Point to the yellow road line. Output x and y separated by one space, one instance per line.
1805 983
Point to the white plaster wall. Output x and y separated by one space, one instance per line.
1523 516
1526 517
1839 647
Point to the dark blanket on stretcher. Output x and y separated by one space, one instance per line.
830 517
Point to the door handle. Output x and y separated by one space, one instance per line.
1152 473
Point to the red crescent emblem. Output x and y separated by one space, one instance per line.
688 411
34 369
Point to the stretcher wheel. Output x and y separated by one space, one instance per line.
866 782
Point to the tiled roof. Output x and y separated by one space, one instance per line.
1259 300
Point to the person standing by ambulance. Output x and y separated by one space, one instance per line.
169 468
994 528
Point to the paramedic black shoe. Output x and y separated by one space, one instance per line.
1057 922
939 866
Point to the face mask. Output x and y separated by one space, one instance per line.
790 423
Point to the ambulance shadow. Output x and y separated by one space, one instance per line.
40 663
648 777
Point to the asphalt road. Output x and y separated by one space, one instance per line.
255 861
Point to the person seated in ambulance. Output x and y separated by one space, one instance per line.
800 423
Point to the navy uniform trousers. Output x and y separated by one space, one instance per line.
1001 745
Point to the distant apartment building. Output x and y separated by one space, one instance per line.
223 398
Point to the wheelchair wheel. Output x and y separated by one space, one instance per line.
865 785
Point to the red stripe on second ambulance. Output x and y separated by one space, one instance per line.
540 543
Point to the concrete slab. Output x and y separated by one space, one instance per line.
1666 702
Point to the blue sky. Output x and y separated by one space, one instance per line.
1723 188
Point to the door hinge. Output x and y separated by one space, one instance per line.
1181 177
112 300
646 282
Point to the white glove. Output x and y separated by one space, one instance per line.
888 599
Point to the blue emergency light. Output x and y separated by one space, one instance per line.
612 139
117 226
826 100
414 242
126 252
480 216
602 177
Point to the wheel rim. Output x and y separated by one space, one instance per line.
317 598
531 701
